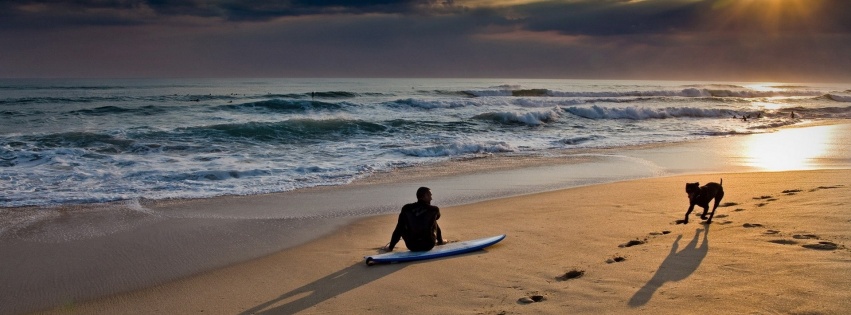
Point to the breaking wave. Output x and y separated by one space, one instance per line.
458 148
529 118
640 113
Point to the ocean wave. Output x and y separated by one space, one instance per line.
290 131
54 100
334 94
284 106
431 104
213 175
528 118
579 140
689 92
458 149
819 112
715 85
838 98
759 94
771 124
640 113
148 110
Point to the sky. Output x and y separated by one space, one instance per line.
730 40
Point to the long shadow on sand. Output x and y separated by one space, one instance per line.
677 266
323 289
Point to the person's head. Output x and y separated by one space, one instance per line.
424 194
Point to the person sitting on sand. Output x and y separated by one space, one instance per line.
417 224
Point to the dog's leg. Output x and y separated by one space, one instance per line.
718 197
690 209
705 210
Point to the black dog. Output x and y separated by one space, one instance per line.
701 195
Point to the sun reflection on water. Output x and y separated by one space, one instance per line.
791 149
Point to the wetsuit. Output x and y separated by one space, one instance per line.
417 225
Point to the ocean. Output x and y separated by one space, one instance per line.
90 141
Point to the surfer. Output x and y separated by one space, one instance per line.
417 224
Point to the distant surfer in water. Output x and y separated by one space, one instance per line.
417 224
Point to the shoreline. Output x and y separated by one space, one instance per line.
768 215
177 238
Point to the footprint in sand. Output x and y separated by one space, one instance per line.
791 192
762 197
660 233
632 243
752 225
531 299
725 222
822 246
771 232
573 274
739 210
826 187
728 204
615 259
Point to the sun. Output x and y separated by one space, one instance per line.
765 16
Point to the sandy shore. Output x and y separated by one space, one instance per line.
778 245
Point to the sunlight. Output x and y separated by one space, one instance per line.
767 105
791 149
766 16
764 87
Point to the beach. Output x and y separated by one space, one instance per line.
778 244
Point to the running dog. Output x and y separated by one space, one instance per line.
701 196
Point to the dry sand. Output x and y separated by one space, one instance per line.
754 258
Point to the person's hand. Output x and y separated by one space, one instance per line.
386 248
442 242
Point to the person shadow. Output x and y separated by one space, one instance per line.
677 266
323 289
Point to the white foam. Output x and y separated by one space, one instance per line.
459 148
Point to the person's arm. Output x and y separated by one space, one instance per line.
438 233
397 233
437 228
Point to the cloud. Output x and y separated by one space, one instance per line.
59 13
675 39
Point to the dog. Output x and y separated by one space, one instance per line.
701 196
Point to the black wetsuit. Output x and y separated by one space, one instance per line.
417 225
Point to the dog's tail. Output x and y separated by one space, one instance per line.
721 183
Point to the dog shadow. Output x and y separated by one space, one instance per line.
323 289
677 266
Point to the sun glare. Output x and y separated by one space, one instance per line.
769 16
791 149
764 87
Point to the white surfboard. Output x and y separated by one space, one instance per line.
436 252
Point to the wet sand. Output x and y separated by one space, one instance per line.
147 243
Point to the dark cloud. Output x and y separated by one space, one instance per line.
675 39
609 17
100 12
576 17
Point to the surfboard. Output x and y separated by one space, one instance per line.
437 252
